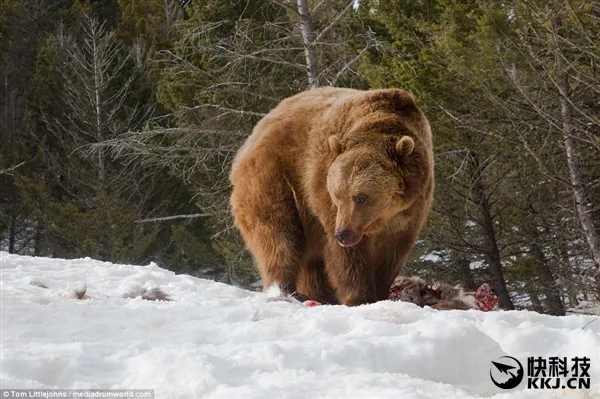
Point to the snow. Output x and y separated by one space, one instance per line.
218 341
479 264
586 307
431 257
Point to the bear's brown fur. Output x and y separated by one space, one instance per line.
331 190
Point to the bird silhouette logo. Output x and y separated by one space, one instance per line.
510 368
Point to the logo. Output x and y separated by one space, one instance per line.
542 373
558 373
509 370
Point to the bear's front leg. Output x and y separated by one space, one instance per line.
349 273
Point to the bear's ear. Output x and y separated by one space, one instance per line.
405 146
335 145
405 97
398 99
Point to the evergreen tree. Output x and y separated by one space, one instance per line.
119 121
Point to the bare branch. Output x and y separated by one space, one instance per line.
10 169
226 109
174 217
334 21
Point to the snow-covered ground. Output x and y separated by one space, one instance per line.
219 341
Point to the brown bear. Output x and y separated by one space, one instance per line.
331 190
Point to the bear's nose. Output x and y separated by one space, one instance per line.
342 236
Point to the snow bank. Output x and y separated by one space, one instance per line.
218 341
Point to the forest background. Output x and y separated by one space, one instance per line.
119 121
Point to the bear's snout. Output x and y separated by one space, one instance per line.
347 238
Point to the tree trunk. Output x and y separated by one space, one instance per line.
489 236
173 11
308 35
536 304
37 245
552 292
465 273
573 301
98 110
12 230
571 287
582 206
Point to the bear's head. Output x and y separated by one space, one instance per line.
369 186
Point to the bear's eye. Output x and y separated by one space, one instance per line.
360 199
